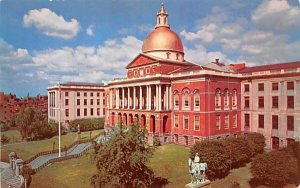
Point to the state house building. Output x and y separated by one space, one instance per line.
181 102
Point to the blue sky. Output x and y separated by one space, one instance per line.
44 41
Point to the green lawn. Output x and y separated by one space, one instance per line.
169 161
25 150
71 173
13 135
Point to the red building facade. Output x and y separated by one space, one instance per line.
176 100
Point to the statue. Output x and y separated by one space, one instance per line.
78 128
197 170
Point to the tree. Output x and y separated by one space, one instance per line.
239 150
216 156
121 161
4 139
275 168
256 142
33 125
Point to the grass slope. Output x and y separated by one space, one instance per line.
25 150
13 135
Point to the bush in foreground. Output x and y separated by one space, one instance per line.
275 168
256 142
215 155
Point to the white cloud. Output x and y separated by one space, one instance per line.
132 30
90 31
50 24
205 33
277 15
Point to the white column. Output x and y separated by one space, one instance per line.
134 97
170 97
159 97
147 98
117 98
141 98
123 98
110 99
156 97
167 98
128 99
150 97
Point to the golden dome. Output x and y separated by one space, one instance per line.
162 38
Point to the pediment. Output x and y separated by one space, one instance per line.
141 60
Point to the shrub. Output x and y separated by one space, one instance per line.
256 142
4 139
87 124
275 168
239 150
215 155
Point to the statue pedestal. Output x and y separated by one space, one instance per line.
205 184
78 136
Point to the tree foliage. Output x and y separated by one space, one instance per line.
87 124
215 155
256 142
121 161
4 139
275 168
33 125
239 150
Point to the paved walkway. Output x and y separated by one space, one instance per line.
8 176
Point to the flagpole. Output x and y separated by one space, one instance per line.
59 126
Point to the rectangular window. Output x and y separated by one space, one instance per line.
290 123
261 87
85 102
185 122
98 94
246 88
78 94
92 111
91 94
218 122
67 112
78 102
274 122
85 112
92 102
103 111
275 86
197 123
98 111
197 101
176 121
78 112
66 94
98 101
176 100
261 102
247 102
234 121
247 120
275 102
261 121
84 94
226 125
290 86
290 101
67 102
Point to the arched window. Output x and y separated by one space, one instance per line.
176 100
168 55
185 99
218 98
196 100
177 56
234 97
226 97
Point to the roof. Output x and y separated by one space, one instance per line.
81 84
288 65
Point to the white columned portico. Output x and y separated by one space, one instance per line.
134 97
117 98
123 98
128 99
140 99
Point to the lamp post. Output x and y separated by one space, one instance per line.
59 126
